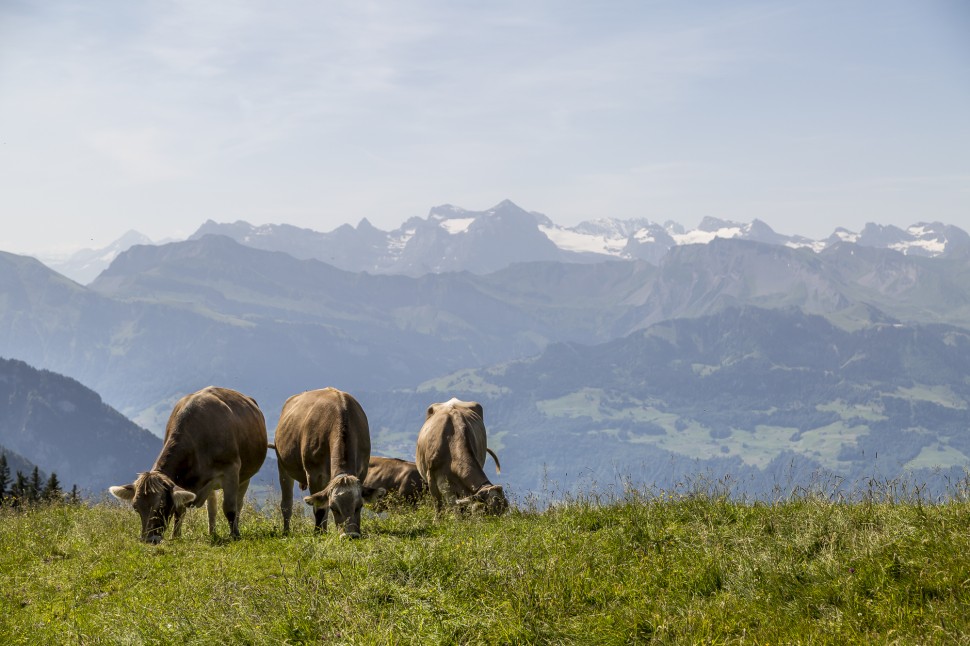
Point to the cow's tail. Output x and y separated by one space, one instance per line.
498 466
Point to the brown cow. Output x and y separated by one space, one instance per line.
450 456
323 441
397 476
215 439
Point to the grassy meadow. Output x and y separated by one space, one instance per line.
641 567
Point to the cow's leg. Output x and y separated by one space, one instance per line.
240 501
241 497
286 498
210 508
435 492
230 501
318 482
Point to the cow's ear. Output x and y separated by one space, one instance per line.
478 410
430 412
123 492
372 494
318 500
182 497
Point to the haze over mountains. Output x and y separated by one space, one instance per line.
610 349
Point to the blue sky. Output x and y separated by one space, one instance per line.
158 115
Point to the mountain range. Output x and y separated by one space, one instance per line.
452 239
163 320
748 353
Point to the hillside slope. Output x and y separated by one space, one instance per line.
63 427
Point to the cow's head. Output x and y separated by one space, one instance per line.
344 496
489 498
157 500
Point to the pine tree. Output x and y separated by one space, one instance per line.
52 490
74 498
19 490
4 477
36 487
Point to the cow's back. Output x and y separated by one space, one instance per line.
322 428
394 474
453 436
210 430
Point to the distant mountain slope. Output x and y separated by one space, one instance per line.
852 286
17 462
83 266
748 392
303 324
922 239
63 427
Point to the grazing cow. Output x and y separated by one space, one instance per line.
450 456
323 441
215 439
398 476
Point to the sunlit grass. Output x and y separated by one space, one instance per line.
866 566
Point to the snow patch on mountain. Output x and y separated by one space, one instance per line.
700 236
573 240
815 245
931 247
644 236
456 225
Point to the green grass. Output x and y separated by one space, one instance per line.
643 567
